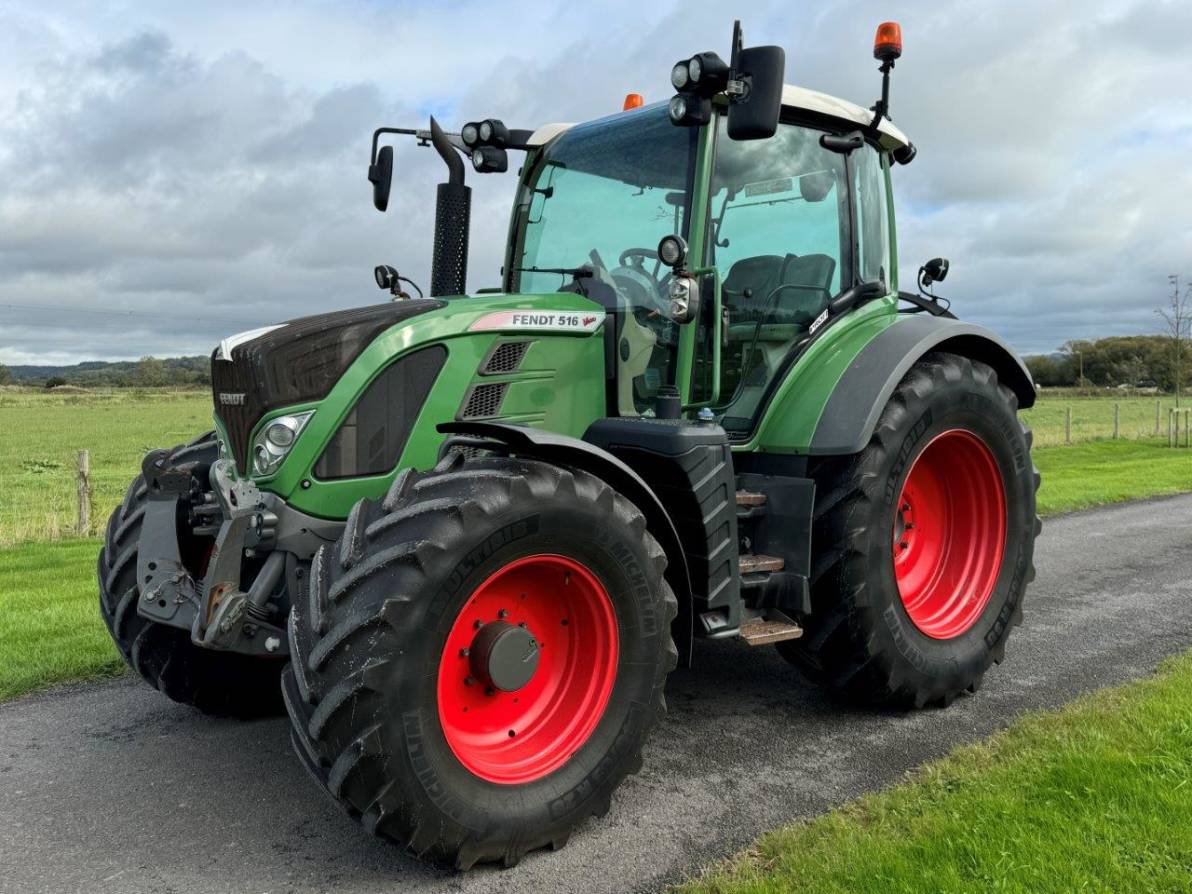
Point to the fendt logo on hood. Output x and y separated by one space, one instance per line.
232 399
549 321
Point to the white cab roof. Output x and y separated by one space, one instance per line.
792 97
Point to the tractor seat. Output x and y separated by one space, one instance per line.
749 281
803 305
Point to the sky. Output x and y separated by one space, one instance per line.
172 173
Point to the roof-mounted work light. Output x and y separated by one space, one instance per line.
490 160
689 109
704 73
489 132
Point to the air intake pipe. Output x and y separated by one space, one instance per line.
453 211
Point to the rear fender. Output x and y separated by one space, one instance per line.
856 403
567 451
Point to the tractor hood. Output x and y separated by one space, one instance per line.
301 362
294 362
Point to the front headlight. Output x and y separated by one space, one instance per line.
274 441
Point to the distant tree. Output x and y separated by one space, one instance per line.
150 373
5 375
1130 371
1177 316
1048 371
55 381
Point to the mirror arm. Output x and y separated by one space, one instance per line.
404 131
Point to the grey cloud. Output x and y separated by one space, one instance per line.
213 173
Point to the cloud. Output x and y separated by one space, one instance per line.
204 165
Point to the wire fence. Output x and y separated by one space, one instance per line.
1061 420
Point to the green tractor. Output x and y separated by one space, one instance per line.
465 538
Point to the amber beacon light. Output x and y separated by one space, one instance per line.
633 101
887 44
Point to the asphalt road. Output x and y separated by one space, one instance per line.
112 788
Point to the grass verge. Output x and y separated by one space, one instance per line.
1094 797
1101 472
50 629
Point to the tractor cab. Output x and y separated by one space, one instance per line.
768 232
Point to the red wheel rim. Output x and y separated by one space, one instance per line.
949 534
518 736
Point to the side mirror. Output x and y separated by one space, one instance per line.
935 270
380 174
753 115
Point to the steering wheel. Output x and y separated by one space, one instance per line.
636 257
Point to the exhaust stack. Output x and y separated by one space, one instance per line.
453 211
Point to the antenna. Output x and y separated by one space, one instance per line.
738 42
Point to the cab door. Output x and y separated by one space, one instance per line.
779 238
783 213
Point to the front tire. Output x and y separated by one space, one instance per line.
409 690
923 543
217 683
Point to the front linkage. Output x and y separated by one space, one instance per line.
258 539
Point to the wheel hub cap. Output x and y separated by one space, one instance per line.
504 656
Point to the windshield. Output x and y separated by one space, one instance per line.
600 198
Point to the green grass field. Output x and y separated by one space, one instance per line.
42 433
50 629
1095 797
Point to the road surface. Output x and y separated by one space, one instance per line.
112 788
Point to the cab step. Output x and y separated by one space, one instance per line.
751 564
762 632
747 499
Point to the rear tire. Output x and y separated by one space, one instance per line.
379 688
218 683
883 634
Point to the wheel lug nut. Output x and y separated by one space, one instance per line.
468 681
477 624
502 614
463 653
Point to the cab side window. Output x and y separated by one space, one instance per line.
873 222
779 226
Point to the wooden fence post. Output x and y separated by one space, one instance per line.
1067 425
1117 417
1170 416
84 480
1157 418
